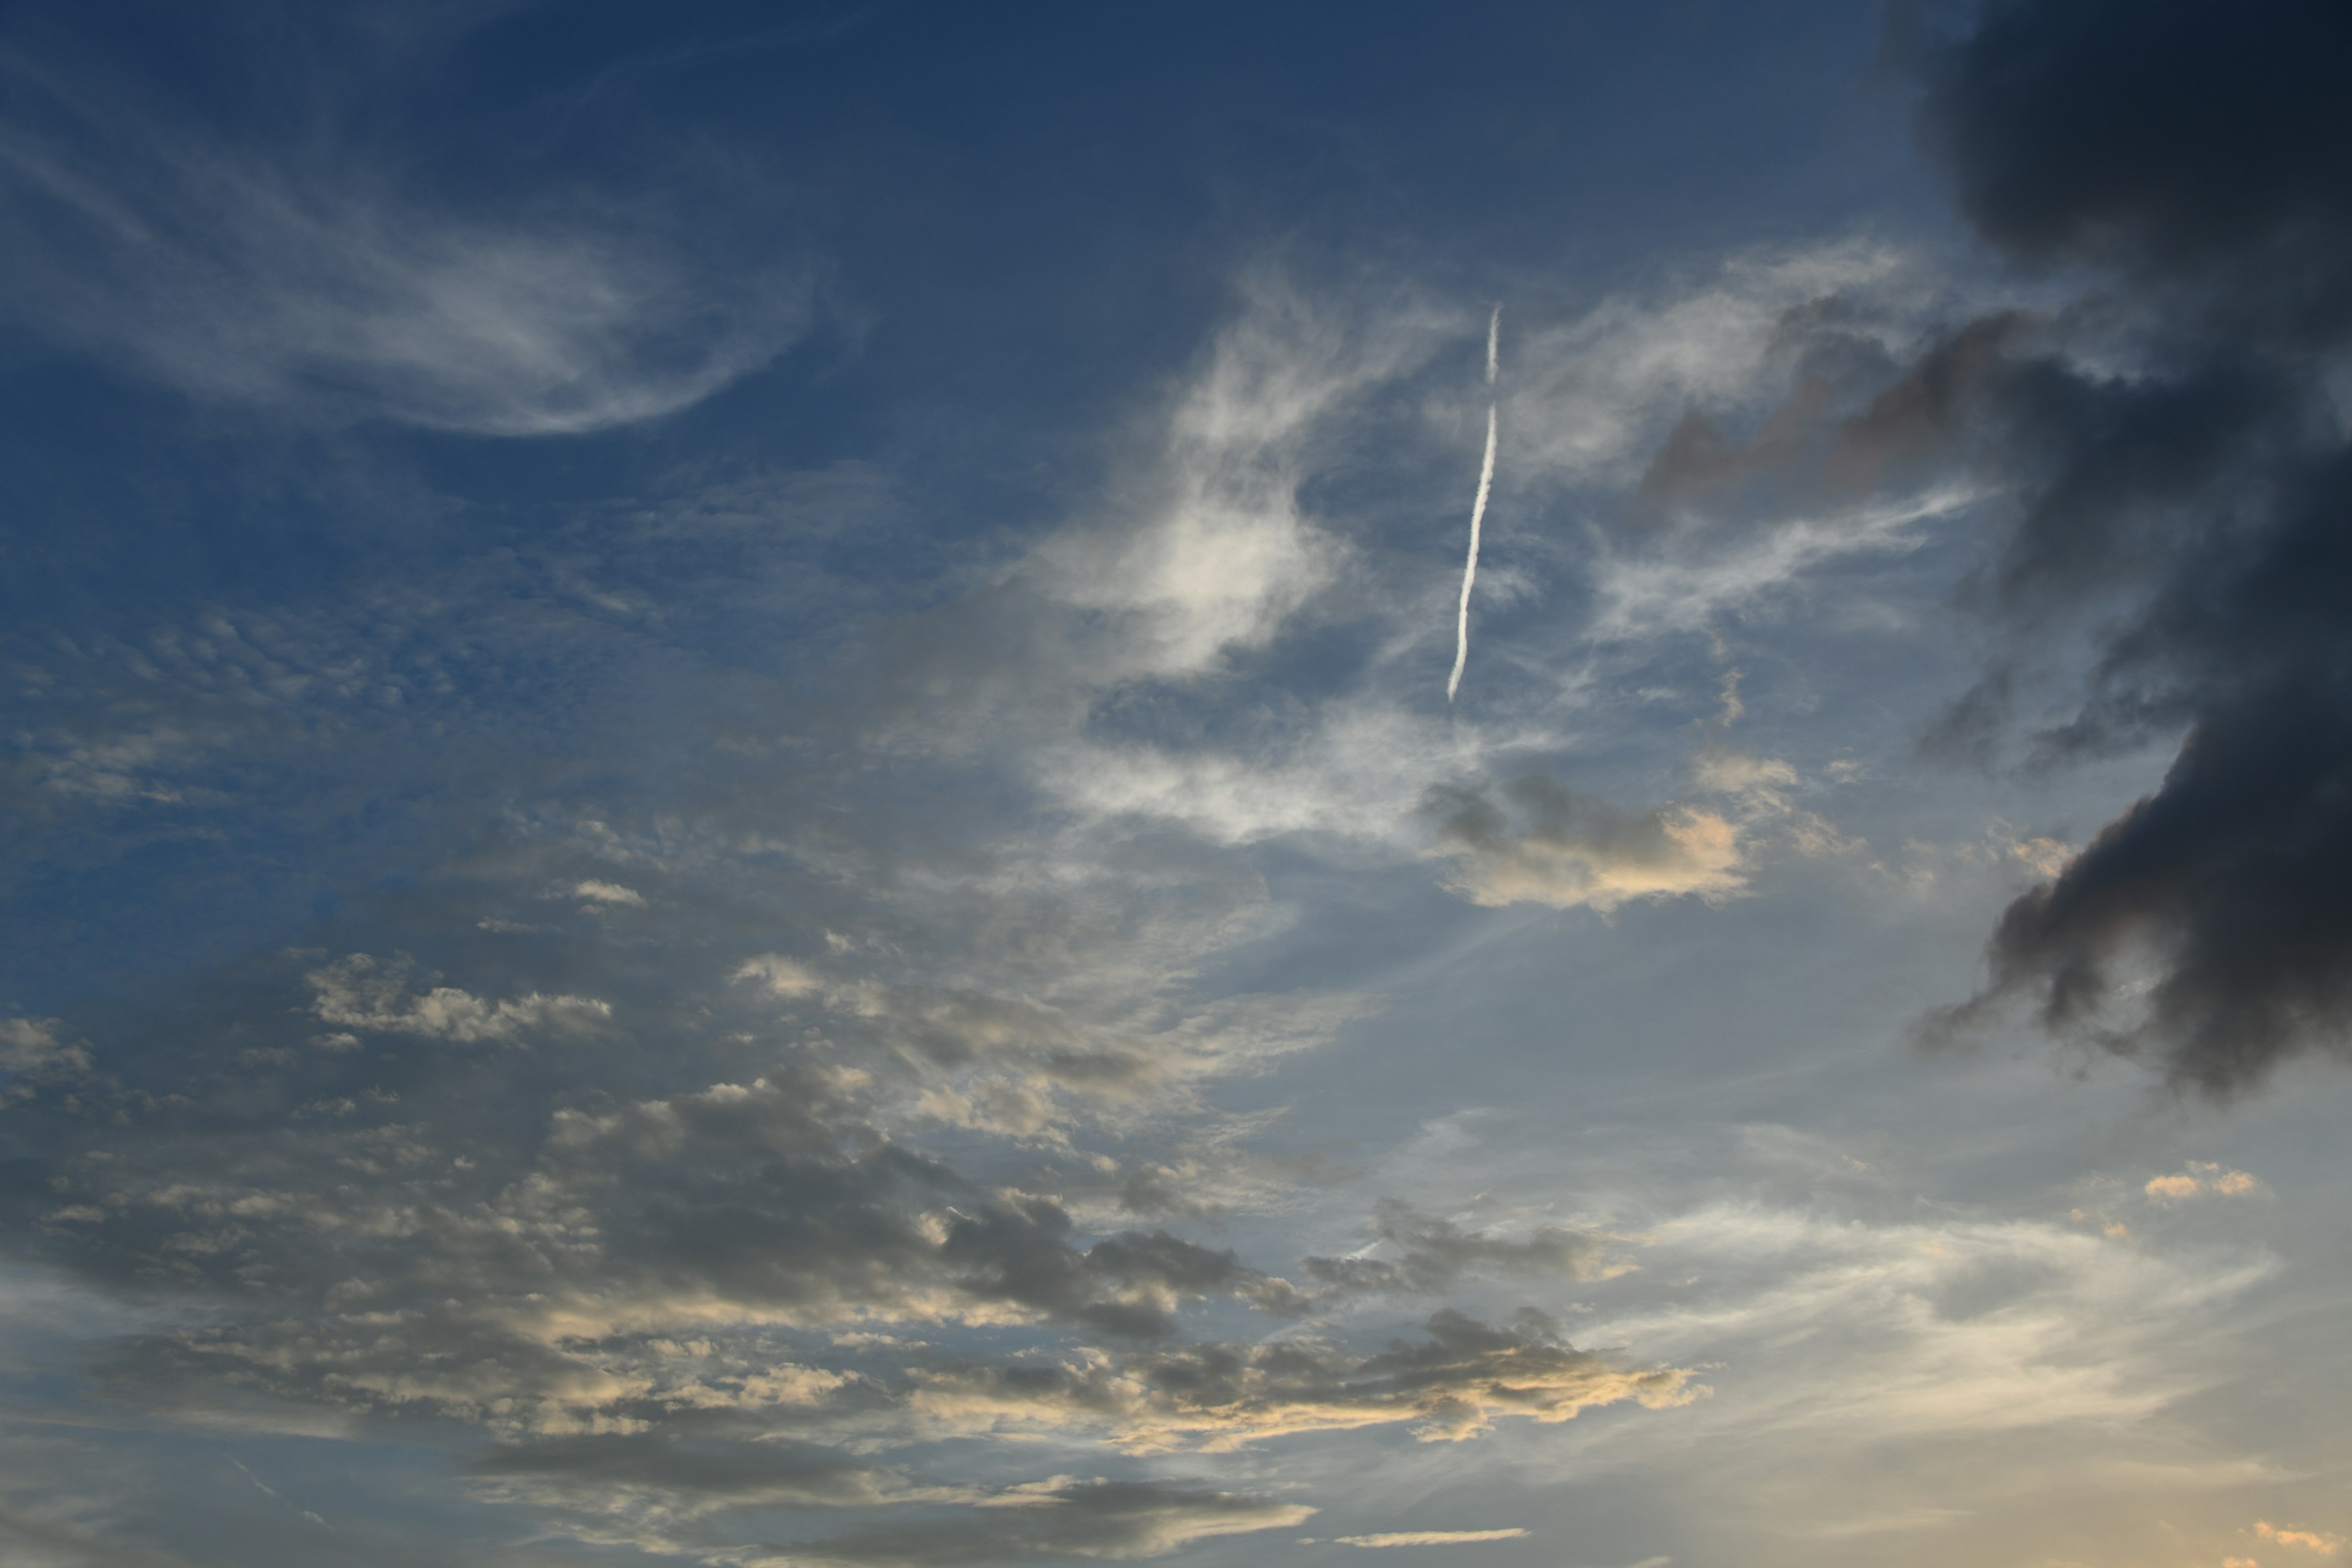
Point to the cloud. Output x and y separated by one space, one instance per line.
31 1048
1429 1538
1451 1386
1648 592
1558 847
2192 144
1099 1520
2307 1539
358 993
1432 1255
2180 467
665 1496
1599 395
322 289
2201 1179
824 1169
1208 549
1839 1330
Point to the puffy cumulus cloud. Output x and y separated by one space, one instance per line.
1391 1538
2202 1179
1451 1385
1098 1520
357 992
322 288
2176 460
1430 1254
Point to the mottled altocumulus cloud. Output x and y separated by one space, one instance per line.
2180 468
725 1157
1452 1384
789 1109
771 1116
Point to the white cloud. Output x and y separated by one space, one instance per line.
1683 586
1858 1332
1591 399
1209 548
358 993
2201 1178
31 1046
323 289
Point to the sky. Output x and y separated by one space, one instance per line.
735 829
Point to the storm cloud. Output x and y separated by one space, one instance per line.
2175 444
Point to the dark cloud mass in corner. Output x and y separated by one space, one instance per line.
2194 505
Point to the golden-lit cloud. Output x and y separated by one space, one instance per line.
2318 1540
2201 1178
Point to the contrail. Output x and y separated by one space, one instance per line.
1478 508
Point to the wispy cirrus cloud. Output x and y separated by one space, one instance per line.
1394 1538
323 288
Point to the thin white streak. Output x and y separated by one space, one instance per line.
274 1493
1477 510
1470 568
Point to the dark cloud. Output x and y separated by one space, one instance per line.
2181 139
2180 472
1126 1285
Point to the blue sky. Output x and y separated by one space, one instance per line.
733 836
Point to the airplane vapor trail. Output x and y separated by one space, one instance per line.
1477 510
